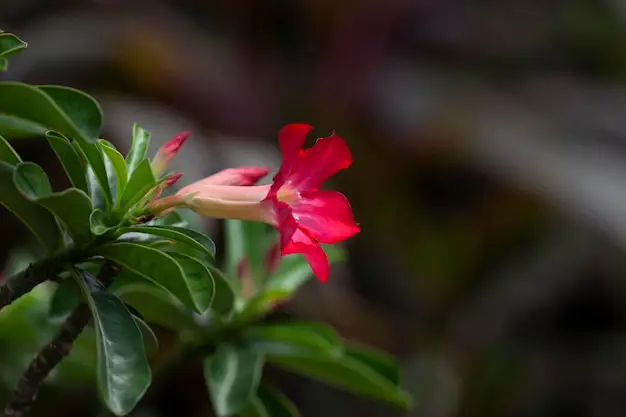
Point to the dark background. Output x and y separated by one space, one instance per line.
489 177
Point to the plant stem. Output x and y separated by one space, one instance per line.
52 354
23 282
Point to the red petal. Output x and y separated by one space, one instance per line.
295 240
316 164
291 139
326 215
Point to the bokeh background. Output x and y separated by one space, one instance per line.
489 179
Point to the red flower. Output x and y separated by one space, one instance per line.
304 215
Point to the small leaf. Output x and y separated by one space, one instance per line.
150 341
199 280
191 238
138 148
32 181
10 44
123 370
153 265
72 206
100 223
7 153
141 181
269 402
39 220
70 159
154 303
224 300
119 165
232 376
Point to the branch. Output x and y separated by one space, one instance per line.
52 354
23 282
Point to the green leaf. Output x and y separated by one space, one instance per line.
150 341
224 300
38 220
153 302
199 280
138 148
31 180
100 223
153 265
119 166
249 240
378 361
10 44
4 64
70 159
72 207
141 181
232 376
81 109
123 369
191 238
7 153
294 339
347 374
269 402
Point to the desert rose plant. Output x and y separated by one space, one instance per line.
118 258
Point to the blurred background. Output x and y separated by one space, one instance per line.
489 179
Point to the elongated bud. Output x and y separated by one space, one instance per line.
165 154
272 258
171 180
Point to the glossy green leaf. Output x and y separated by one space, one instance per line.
123 369
71 207
170 219
154 265
199 280
85 116
150 341
31 180
224 300
10 44
232 375
191 238
70 160
269 402
153 302
141 181
138 148
119 165
38 220
100 223
7 153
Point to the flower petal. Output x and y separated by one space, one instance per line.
233 176
296 240
315 165
326 215
291 139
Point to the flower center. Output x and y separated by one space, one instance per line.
287 195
